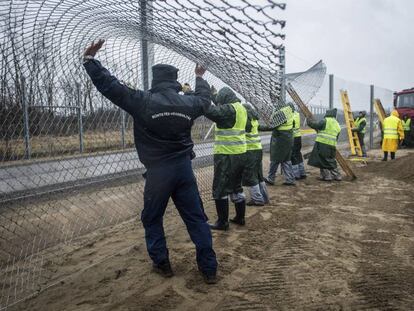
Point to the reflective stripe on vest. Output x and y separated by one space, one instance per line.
358 121
232 140
253 138
391 127
406 124
296 128
329 135
288 125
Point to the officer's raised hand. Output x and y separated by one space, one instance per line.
199 70
93 48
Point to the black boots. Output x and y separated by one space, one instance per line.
222 208
163 268
240 212
386 156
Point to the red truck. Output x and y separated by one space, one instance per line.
404 103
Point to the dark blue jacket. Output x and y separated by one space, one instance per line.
162 118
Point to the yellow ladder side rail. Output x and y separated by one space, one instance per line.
379 108
350 124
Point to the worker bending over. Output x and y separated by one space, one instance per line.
393 135
162 133
360 128
281 148
230 149
297 158
324 151
253 173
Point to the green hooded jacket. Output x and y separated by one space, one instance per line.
323 156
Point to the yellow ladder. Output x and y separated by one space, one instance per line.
350 124
379 108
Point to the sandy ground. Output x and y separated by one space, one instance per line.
318 246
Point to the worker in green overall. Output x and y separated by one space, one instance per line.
297 158
230 148
360 129
406 123
281 148
253 174
323 153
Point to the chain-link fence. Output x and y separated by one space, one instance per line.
361 97
67 162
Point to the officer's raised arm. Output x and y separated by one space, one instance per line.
108 85
202 89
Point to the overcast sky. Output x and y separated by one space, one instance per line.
369 41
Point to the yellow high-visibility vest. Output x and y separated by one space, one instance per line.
253 138
329 135
391 127
288 125
232 140
358 121
406 124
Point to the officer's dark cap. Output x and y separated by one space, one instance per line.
164 72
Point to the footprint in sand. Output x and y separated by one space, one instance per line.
233 237
266 215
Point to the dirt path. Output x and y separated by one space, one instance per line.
319 246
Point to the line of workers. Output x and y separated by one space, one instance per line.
395 132
238 153
163 119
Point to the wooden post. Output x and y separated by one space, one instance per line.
306 112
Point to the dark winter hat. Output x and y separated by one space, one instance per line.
363 112
226 96
331 113
164 72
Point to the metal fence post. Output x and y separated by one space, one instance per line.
283 67
147 51
331 91
26 126
371 117
123 128
80 121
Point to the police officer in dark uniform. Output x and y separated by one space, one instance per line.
162 133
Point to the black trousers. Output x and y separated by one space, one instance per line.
175 179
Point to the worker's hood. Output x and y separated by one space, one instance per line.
363 113
395 113
164 77
291 105
226 96
252 112
331 113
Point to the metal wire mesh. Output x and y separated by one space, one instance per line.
67 163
